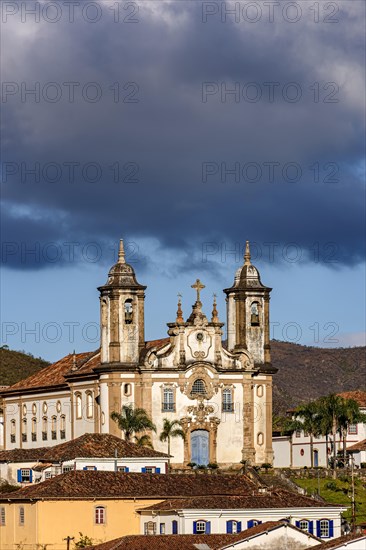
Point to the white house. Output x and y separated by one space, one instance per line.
359 452
355 541
101 452
232 514
294 451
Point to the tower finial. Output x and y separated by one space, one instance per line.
121 253
198 286
247 254
215 314
179 310
74 365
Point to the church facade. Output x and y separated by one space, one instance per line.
221 392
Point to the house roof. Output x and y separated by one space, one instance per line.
279 498
339 542
360 446
189 542
358 395
85 446
80 484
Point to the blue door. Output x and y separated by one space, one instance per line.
199 447
316 458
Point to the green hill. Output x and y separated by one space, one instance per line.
16 365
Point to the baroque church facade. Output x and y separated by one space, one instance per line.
221 392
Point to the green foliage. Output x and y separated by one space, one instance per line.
83 541
191 464
212 465
143 441
363 464
201 467
266 466
16 365
332 486
6 487
131 421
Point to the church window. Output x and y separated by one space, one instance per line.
260 391
168 400
34 408
128 312
24 430
198 387
227 400
79 405
89 405
58 406
62 427
12 431
127 390
100 515
254 317
103 418
44 407
44 428
53 427
150 528
24 410
260 438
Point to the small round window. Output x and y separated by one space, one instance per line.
24 410
58 406
199 336
45 407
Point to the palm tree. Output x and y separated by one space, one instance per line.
143 441
331 408
171 428
309 418
349 414
132 421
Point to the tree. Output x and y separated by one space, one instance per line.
171 428
132 421
309 418
331 410
143 441
349 414
83 542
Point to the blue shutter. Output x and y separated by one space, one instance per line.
143 470
85 468
229 526
318 528
157 470
297 524
250 523
174 527
95 468
30 476
208 527
195 527
331 528
126 470
238 526
311 528
19 476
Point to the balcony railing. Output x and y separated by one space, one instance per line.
168 407
53 434
24 438
44 436
34 436
12 438
228 407
62 434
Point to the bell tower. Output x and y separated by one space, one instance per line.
248 313
121 314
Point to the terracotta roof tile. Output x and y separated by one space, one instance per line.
52 375
85 446
279 498
187 542
99 484
358 395
360 446
338 542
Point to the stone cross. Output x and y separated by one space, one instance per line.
198 286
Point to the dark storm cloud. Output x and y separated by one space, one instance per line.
298 163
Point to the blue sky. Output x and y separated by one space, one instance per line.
185 130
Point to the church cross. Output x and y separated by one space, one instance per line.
198 286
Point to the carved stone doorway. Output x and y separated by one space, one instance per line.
200 447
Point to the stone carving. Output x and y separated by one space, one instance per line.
200 411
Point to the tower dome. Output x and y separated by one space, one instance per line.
247 275
122 274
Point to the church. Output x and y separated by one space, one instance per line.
220 391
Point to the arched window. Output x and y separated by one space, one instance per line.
323 529
233 526
44 407
21 515
100 515
44 428
127 390
12 431
24 429
79 405
128 312
201 527
254 317
62 427
34 408
227 400
260 438
53 427
260 390
168 400
89 405
304 525
34 429
198 387
150 528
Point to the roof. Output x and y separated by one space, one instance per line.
360 446
99 484
358 395
279 498
52 375
189 542
85 446
339 542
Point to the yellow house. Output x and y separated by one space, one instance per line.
101 505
